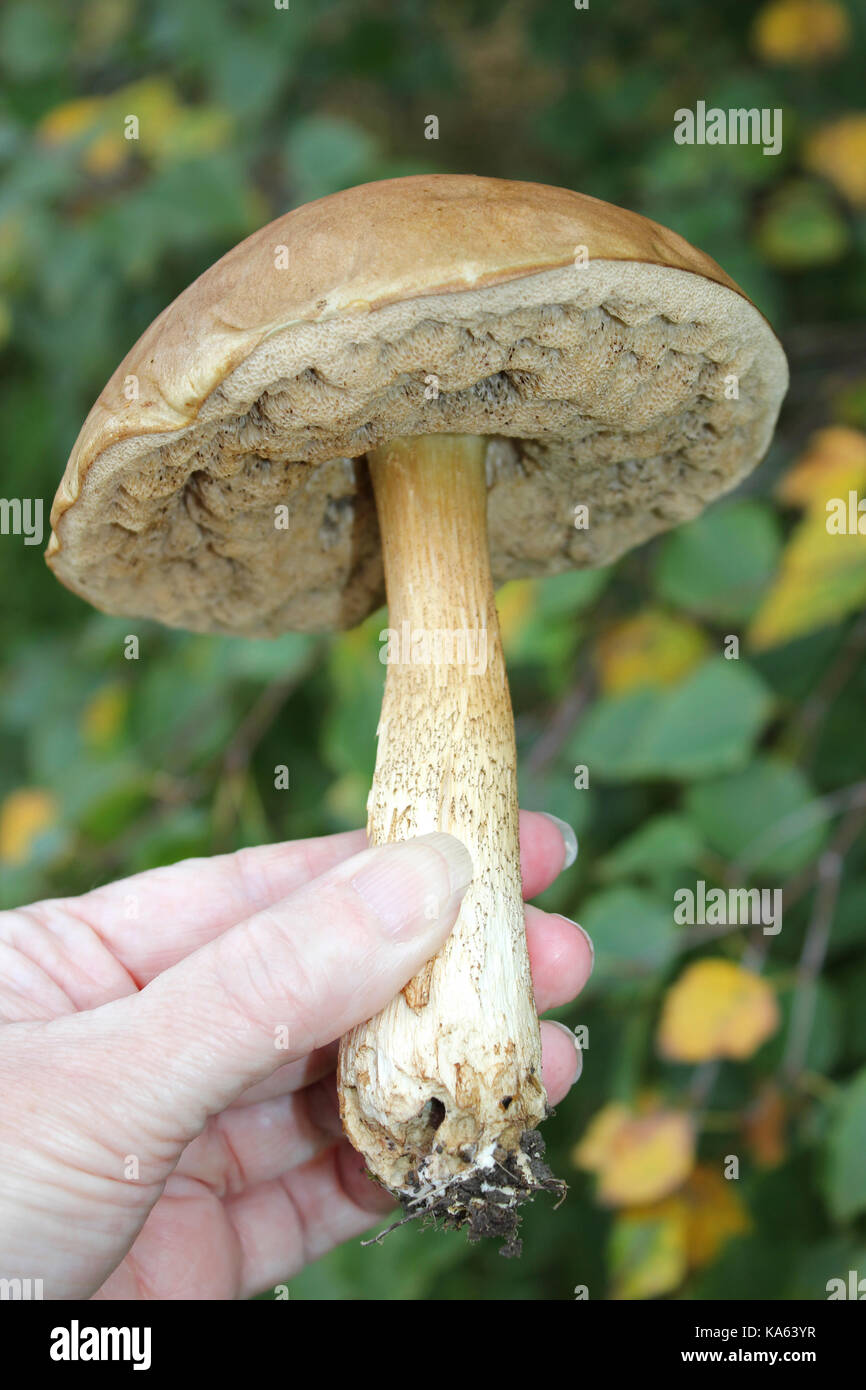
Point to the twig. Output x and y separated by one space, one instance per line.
563 720
811 961
258 720
805 725
822 808
815 943
799 883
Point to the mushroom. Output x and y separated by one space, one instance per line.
435 374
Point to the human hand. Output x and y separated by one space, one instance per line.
169 1125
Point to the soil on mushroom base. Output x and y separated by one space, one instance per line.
488 1209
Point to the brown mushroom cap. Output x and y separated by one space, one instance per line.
413 306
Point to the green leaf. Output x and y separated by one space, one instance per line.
854 1015
273 65
709 722
825 1030
357 680
326 154
801 227
845 1173
766 817
666 842
647 1256
263 659
819 1264
633 933
705 725
719 565
346 1273
181 713
564 595
33 38
849 403
609 740
849 924
552 628
108 803
553 791
181 834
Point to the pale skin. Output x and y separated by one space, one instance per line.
158 1138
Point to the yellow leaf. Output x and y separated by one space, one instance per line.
154 102
105 154
833 461
103 716
838 152
647 1255
167 130
716 1009
197 131
652 648
24 815
801 31
93 123
596 1145
70 121
515 604
697 1222
638 1158
823 577
823 571
712 1214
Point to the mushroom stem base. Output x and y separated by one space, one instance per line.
487 1202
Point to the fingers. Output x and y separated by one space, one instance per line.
560 957
293 977
283 1225
547 846
155 919
293 1076
255 1143
561 1060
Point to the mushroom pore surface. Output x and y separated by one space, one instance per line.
607 384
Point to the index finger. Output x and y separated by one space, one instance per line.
153 920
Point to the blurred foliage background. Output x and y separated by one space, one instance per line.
703 1041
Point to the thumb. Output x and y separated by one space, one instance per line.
293 977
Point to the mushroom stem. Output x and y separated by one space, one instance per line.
441 1090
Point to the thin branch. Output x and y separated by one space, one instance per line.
805 726
257 721
798 884
563 720
811 961
789 826
815 943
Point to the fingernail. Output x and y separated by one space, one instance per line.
569 838
586 936
575 1045
415 882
